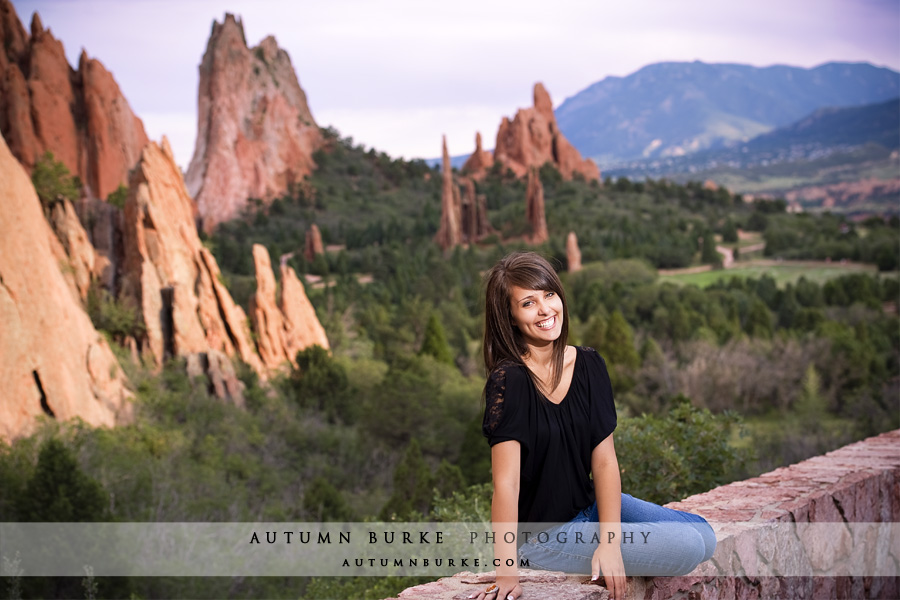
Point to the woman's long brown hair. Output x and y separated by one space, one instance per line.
502 340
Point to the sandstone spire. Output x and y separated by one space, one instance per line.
474 214
533 138
573 253
480 161
534 208
168 273
301 325
313 244
80 116
450 232
256 134
52 360
285 328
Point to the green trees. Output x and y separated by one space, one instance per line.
320 382
53 181
435 341
59 491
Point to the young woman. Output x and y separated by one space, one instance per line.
549 418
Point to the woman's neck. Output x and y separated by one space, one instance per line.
539 358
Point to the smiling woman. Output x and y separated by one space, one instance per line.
549 418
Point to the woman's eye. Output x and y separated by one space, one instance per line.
550 294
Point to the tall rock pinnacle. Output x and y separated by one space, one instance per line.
573 253
80 116
450 232
256 134
534 207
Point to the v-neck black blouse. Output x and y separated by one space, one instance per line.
556 439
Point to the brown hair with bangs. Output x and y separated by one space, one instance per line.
503 342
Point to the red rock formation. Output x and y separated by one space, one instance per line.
284 329
573 253
256 134
78 251
533 138
534 208
479 162
267 319
80 116
450 231
52 360
474 214
169 275
302 328
313 244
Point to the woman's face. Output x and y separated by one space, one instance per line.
537 313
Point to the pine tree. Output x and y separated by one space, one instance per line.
435 342
618 343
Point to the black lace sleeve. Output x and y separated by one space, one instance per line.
502 418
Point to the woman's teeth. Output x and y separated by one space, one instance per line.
547 324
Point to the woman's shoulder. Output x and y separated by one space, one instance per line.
591 356
507 370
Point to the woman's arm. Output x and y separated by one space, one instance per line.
608 491
505 457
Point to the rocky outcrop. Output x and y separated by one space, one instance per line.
479 162
474 214
52 360
302 328
313 244
256 134
267 320
573 253
534 208
533 138
450 231
80 116
170 276
217 371
77 249
285 328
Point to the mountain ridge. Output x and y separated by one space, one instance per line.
676 108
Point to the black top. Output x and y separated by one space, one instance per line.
556 440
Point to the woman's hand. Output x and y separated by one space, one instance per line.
607 559
506 588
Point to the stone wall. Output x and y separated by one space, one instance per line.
859 483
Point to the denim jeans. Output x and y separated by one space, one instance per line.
656 541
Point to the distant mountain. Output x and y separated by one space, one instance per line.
825 132
674 109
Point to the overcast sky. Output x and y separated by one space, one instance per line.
396 74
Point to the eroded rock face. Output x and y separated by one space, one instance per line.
267 320
480 161
285 328
256 134
534 208
79 253
450 231
573 253
474 213
52 360
533 138
301 325
170 276
80 116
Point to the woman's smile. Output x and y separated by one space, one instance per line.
537 314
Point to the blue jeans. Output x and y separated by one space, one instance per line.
656 541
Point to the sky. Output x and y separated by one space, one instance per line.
398 74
